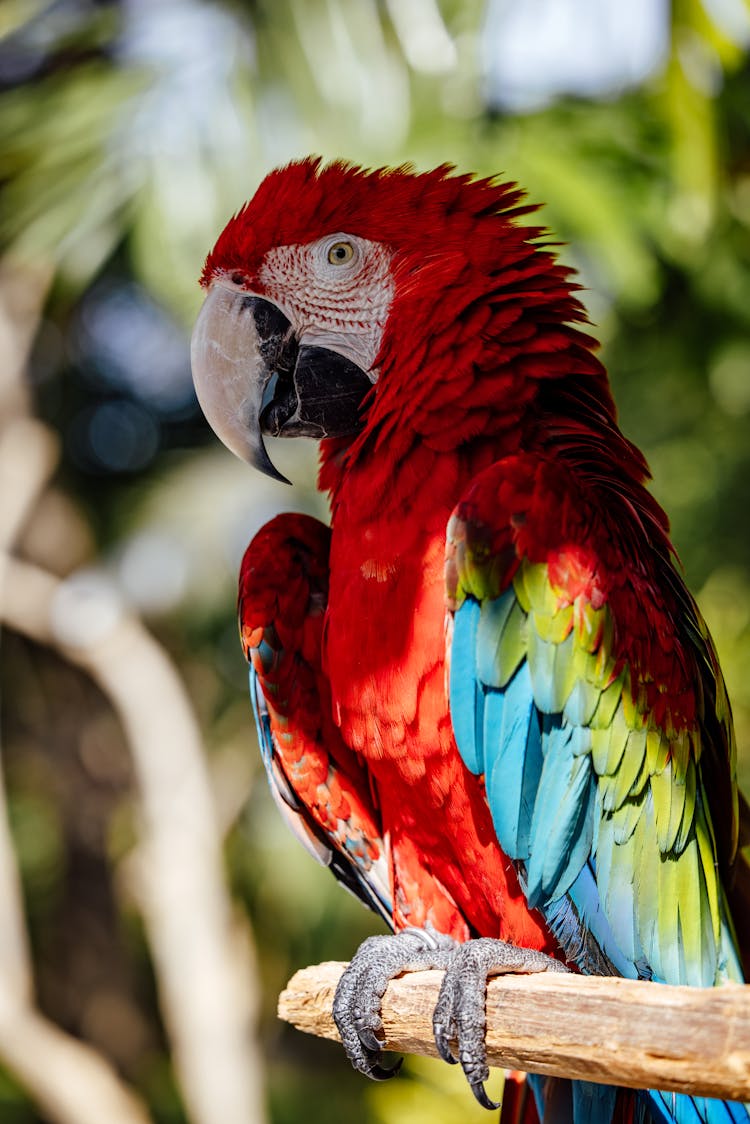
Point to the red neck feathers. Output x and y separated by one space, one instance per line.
483 353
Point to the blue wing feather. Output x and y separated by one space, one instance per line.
465 691
512 778
534 749
562 825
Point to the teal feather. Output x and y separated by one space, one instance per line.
645 877
466 695
629 767
583 930
669 964
542 659
593 1103
551 670
582 703
625 819
678 1108
614 875
689 810
511 721
729 962
562 823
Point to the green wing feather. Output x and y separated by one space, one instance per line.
653 850
655 832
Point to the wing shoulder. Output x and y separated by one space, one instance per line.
318 783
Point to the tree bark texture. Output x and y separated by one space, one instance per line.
615 1031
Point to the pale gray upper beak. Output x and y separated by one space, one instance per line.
229 352
253 376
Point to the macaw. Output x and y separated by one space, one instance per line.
484 696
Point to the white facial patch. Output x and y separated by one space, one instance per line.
336 293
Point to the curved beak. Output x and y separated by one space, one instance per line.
237 341
253 376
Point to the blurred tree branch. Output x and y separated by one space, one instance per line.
201 951
23 292
70 1081
22 478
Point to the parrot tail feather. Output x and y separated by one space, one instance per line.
684 1109
519 1104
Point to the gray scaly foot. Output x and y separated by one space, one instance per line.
356 1004
460 1010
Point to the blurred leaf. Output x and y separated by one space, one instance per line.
15 13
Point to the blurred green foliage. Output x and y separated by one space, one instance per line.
129 133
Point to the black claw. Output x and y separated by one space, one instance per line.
460 1010
370 1040
442 1035
443 1048
380 1073
479 1091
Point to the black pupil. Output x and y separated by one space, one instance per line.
340 252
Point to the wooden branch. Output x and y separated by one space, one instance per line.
614 1031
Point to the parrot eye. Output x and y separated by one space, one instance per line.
340 253
337 257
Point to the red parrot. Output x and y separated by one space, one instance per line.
484 696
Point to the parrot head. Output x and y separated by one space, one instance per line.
331 276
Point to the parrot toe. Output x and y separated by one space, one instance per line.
460 1010
356 1004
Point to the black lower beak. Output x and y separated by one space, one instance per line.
321 397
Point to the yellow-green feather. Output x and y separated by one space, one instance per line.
653 846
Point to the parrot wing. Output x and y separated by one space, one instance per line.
319 785
584 688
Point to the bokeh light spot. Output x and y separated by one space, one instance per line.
115 436
729 378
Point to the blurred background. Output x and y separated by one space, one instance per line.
151 903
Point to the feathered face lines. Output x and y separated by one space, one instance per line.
336 292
